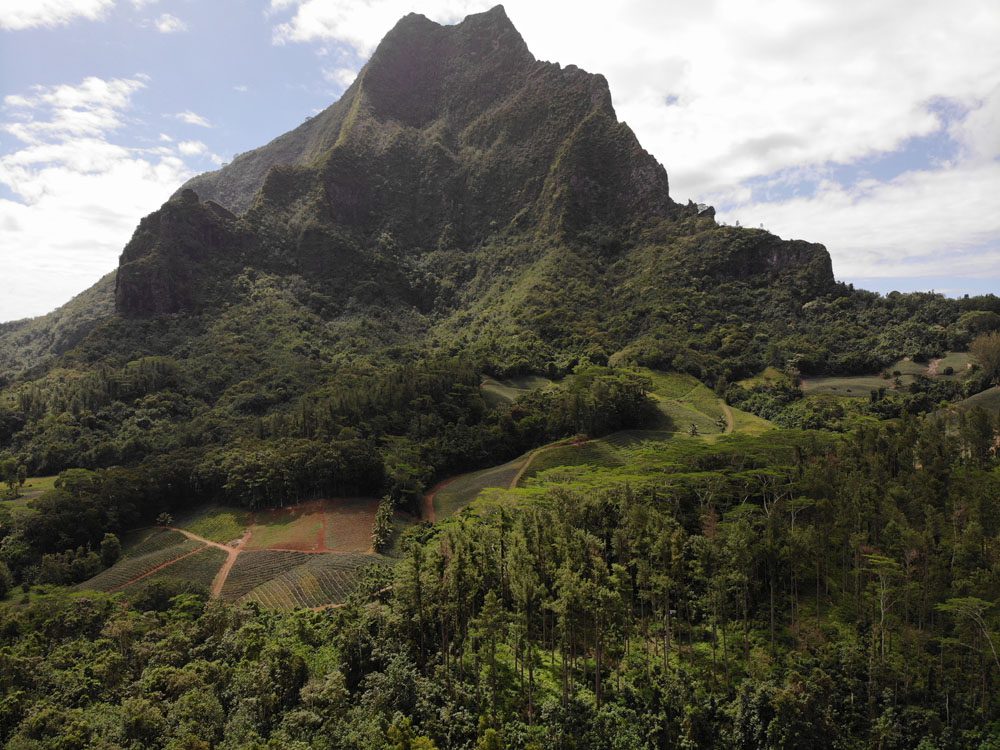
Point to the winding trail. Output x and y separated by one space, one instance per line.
730 417
231 554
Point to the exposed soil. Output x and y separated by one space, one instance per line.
427 512
730 419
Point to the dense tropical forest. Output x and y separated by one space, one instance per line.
438 423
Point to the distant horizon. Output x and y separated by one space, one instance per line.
819 123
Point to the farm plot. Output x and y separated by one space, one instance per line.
339 525
462 490
256 567
130 569
348 524
295 527
323 579
144 541
198 569
592 452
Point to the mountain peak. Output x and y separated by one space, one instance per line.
422 70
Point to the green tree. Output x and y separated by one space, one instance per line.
111 550
6 580
986 351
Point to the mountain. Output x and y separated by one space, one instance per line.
463 181
461 203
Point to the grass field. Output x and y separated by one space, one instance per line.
859 386
593 452
507 390
684 401
198 569
321 580
988 400
35 486
463 489
957 361
128 569
216 522
749 424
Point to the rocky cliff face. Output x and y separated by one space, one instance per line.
457 129
172 256
457 178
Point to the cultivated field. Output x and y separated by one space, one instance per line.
198 570
342 525
453 495
321 580
256 567
143 541
131 569
316 550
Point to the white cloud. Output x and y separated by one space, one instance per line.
192 148
193 118
241 88
77 196
726 92
940 222
169 24
94 106
17 15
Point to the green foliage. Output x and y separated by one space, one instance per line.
986 351
111 550
382 530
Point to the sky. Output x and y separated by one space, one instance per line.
871 127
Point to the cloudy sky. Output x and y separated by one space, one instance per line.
873 127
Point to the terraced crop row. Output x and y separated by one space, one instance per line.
255 567
463 490
152 540
324 579
128 569
198 569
